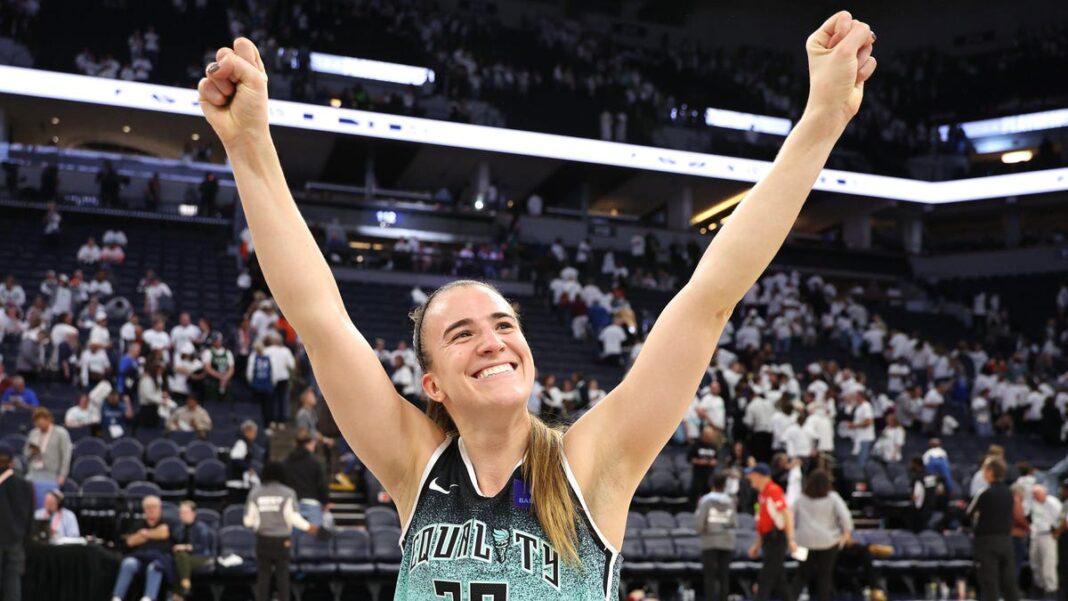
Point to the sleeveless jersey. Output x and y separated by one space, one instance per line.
461 545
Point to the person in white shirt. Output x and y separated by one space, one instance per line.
1045 518
758 419
62 329
81 414
710 408
797 442
157 338
612 338
932 402
552 399
95 365
115 237
99 333
282 366
89 253
62 297
154 293
819 427
263 320
594 394
187 366
981 413
184 332
780 420
862 427
113 253
130 331
12 293
100 286
403 378
891 441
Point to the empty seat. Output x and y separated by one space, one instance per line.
88 466
661 519
140 489
233 515
352 551
209 517
172 475
126 447
385 549
199 450
128 469
239 541
86 447
381 517
159 449
313 555
636 520
209 480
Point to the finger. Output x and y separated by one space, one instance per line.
865 52
240 71
826 31
248 51
866 70
842 27
210 93
858 36
222 82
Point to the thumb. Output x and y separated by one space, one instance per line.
238 70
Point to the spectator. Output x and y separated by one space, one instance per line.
190 417
891 441
48 451
157 338
404 379
308 478
129 374
95 364
81 415
271 512
184 332
992 512
932 403
192 546
153 397
16 516
30 360
89 253
110 181
1021 526
716 520
282 365
62 300
100 287
824 525
52 220
187 374
209 192
775 527
704 457
261 381
19 396
62 523
757 418
153 193
219 366
116 417
263 320
148 546
11 293
116 237
1045 515
130 331
862 427
936 461
612 338
158 297
246 455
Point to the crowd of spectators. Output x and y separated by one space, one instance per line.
608 88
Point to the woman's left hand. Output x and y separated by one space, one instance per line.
840 61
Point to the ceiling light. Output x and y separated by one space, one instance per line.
335 102
125 129
195 137
55 120
719 207
1017 156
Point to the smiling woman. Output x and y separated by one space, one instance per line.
490 495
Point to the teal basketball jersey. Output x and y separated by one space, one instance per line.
461 545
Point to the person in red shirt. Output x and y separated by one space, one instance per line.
775 525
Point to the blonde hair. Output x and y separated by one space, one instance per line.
551 499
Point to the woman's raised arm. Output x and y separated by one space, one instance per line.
624 433
388 434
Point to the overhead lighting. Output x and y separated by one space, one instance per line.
704 231
125 129
1017 156
188 210
55 139
614 212
363 68
55 120
479 204
719 207
195 137
335 102
511 204
712 226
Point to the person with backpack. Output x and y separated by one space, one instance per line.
259 374
716 521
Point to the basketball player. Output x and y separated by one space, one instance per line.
494 504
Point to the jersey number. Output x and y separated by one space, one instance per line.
477 591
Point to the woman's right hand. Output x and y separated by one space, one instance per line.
233 95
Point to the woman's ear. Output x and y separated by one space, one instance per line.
431 388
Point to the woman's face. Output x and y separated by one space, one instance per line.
478 356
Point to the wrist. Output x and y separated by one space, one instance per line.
827 121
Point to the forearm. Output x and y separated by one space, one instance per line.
746 245
292 263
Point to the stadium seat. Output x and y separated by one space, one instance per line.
661 519
209 517
636 520
128 469
199 450
313 555
126 447
233 515
88 466
386 551
135 491
172 476
209 480
352 551
688 550
159 449
239 541
684 524
86 447
378 518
